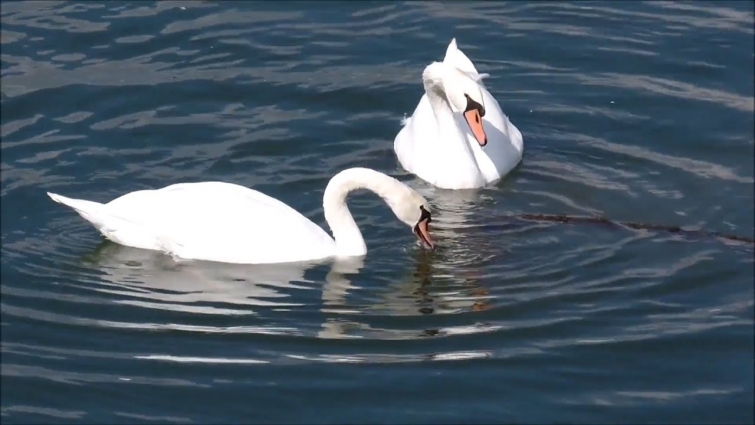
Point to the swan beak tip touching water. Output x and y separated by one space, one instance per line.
422 229
406 203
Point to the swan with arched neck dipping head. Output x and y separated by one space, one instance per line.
228 223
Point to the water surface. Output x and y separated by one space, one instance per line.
634 111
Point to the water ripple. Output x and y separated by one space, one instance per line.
633 111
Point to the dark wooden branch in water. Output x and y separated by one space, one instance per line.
604 221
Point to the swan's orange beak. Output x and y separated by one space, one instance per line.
422 230
475 124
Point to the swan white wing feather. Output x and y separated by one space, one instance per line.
222 222
414 141
458 59
505 146
416 147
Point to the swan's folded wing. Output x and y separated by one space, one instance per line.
223 222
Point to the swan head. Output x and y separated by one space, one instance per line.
407 204
464 94
414 211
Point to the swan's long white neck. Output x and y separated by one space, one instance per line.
348 238
451 140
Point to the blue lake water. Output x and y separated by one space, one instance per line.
634 111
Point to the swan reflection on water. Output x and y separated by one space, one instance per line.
441 282
425 290
444 281
153 279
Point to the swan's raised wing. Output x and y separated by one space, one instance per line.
458 59
225 222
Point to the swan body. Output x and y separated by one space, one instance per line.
228 223
442 144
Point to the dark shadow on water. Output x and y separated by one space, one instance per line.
603 221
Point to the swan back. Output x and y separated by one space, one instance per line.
224 222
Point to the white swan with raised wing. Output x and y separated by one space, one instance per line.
228 223
457 137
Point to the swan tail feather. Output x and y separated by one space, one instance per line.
118 229
90 211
